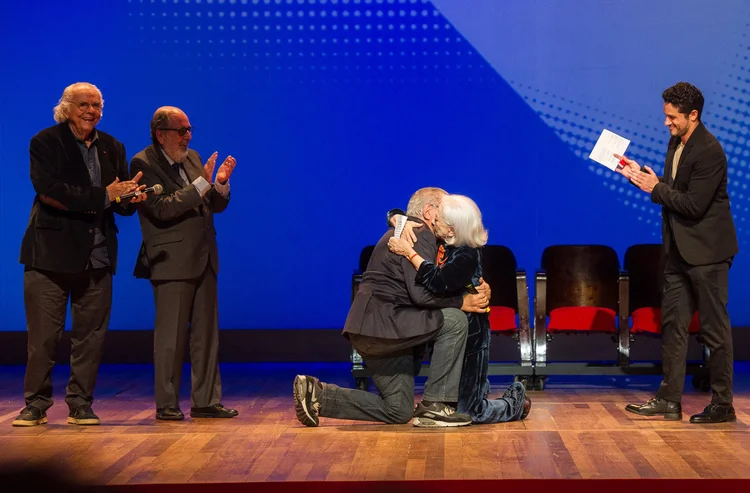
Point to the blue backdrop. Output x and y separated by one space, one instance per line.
337 110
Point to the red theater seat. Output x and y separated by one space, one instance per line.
509 305
581 290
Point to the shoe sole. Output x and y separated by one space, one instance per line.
170 418
431 423
299 388
728 420
83 422
212 416
28 423
667 416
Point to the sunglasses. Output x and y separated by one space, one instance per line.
180 131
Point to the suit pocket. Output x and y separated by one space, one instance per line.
49 223
165 238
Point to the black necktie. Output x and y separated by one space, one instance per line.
180 170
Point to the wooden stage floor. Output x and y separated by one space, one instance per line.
577 429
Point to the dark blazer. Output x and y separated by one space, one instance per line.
59 238
179 237
389 303
695 205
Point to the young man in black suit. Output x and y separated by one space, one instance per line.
70 250
700 242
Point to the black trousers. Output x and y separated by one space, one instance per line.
46 296
187 308
688 288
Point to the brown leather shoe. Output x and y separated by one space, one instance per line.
657 407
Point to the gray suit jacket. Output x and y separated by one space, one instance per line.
179 238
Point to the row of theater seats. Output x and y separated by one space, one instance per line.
580 289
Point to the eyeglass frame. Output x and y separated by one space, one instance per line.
180 131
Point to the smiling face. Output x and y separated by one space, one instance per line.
85 112
680 124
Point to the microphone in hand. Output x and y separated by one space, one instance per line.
156 190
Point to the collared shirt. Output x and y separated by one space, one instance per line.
99 256
200 183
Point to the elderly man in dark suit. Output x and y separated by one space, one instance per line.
700 242
390 321
180 256
69 250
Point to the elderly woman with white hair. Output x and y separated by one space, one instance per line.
458 269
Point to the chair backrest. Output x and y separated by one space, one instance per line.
645 266
364 257
581 275
499 271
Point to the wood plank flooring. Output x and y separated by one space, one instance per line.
577 429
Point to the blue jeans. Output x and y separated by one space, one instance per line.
475 386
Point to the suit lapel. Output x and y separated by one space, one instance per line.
193 167
74 153
108 172
696 136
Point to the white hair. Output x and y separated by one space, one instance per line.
422 197
61 112
462 214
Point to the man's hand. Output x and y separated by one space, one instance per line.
646 181
484 289
118 188
408 232
140 197
476 303
400 246
631 167
225 170
208 168
409 227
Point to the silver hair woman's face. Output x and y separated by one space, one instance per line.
442 230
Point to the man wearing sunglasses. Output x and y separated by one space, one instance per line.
179 255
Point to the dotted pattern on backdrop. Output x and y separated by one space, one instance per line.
311 41
402 41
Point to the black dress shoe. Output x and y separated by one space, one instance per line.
170 414
657 407
715 413
215 411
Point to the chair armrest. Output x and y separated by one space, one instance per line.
623 326
540 318
525 339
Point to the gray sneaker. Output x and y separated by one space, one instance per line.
307 391
438 415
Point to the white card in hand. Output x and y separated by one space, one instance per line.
400 223
609 143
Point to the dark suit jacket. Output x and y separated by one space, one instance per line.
696 217
179 237
389 303
59 238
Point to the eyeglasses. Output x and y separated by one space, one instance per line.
85 106
181 131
